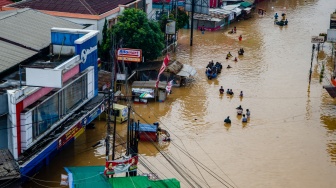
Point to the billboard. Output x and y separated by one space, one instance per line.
170 27
44 77
331 35
129 55
201 6
129 164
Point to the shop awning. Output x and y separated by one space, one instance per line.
187 71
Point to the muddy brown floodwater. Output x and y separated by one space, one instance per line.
290 139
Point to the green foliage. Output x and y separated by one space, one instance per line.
182 18
105 46
163 21
138 32
322 73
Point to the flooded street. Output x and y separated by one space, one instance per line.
290 139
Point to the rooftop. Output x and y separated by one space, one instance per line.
5 2
13 80
92 7
8 167
32 34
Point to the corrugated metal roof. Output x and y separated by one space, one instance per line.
32 28
187 71
92 7
148 84
9 168
11 55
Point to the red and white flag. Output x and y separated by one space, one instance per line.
163 67
169 86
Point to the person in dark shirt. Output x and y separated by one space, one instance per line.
227 120
221 90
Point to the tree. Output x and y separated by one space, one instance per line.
181 19
136 31
105 46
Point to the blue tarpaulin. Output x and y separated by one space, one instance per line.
146 127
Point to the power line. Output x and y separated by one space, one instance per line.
174 164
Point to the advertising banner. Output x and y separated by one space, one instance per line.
129 55
69 135
143 92
128 164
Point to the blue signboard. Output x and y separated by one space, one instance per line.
87 50
90 117
66 39
89 55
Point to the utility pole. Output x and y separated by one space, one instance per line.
333 56
110 98
175 38
192 21
311 63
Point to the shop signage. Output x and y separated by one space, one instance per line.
317 39
69 135
129 55
331 35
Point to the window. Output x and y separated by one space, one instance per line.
54 108
45 115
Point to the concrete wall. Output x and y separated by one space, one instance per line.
3 100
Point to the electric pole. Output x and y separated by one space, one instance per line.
192 21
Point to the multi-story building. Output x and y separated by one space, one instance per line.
50 100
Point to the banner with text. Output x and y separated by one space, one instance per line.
129 55
128 164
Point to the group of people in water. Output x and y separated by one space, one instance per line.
241 51
229 55
283 20
234 30
240 111
229 91
212 69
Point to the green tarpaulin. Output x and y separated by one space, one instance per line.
93 177
87 177
143 182
245 4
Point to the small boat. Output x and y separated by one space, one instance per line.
210 75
